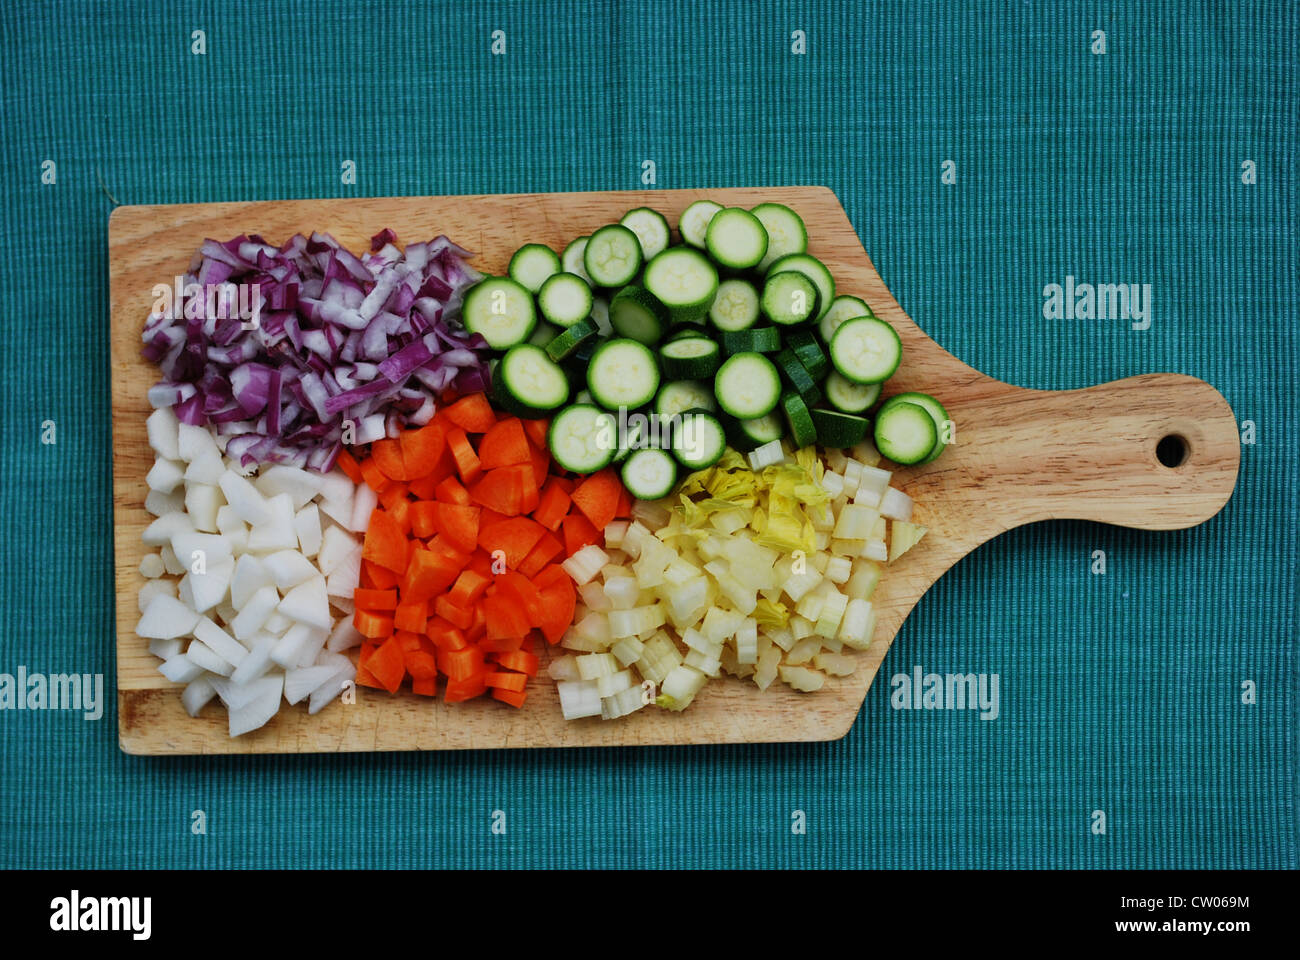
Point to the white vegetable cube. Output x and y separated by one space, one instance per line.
161 531
260 706
212 585
593 666
876 550
193 442
628 650
798 584
220 642
161 504
254 612
363 505
580 698
874 480
165 649
207 470
154 588
622 592
301 682
180 669
857 624
709 666
249 505
166 617
613 683
336 545
634 622
250 576
696 640
164 475
659 658
747 641
301 485
855 522
256 664
682 684
585 564
196 695
721 625
277 532
201 654
306 525
308 603
151 566
288 568
839 569
164 433
832 612
621 704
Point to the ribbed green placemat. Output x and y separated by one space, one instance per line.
1119 693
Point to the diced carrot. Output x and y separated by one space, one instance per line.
499 490
460 616
411 616
503 680
410 641
473 413
394 494
481 563
422 449
597 497
565 483
458 524
462 663
469 586
444 635
374 477
429 574
387 664
505 617
385 542
520 589
380 578
424 518
387 456
423 489
420 665
514 537
478 629
550 575
515 698
348 464
552 505
541 463
401 514
364 677
557 607
467 464
578 532
425 688
451 490
499 644
458 691
536 430
441 544
372 600
519 660
373 625
624 503
504 445
547 549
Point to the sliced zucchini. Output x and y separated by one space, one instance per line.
736 305
622 373
532 265
835 429
682 395
849 396
651 230
866 350
747 386
753 340
684 281
809 351
613 256
500 310
649 474
698 440
572 258
814 270
932 407
842 308
905 433
786 233
542 334
690 358
789 298
736 239
567 342
565 299
637 313
600 316
583 438
694 222
798 419
763 429
528 383
797 375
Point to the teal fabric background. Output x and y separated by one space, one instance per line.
1119 693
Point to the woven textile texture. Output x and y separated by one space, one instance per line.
982 152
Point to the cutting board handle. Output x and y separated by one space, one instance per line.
1157 452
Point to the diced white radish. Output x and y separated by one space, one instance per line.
329 691
180 669
165 527
166 617
288 568
200 549
222 644
579 698
250 576
300 642
163 430
301 682
301 485
346 577
228 522
261 706
196 696
254 613
207 469
308 603
203 655
171 564
249 505
202 503
363 505
209 588
336 486
306 524
164 475
277 532
151 566
338 511
256 663
277 623
344 637
193 442
160 504
336 545
155 588
165 649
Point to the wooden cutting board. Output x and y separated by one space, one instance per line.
1021 456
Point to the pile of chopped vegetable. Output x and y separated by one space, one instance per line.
342 348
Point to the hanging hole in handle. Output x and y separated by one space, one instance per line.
1171 451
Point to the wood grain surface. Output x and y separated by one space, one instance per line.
1021 456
